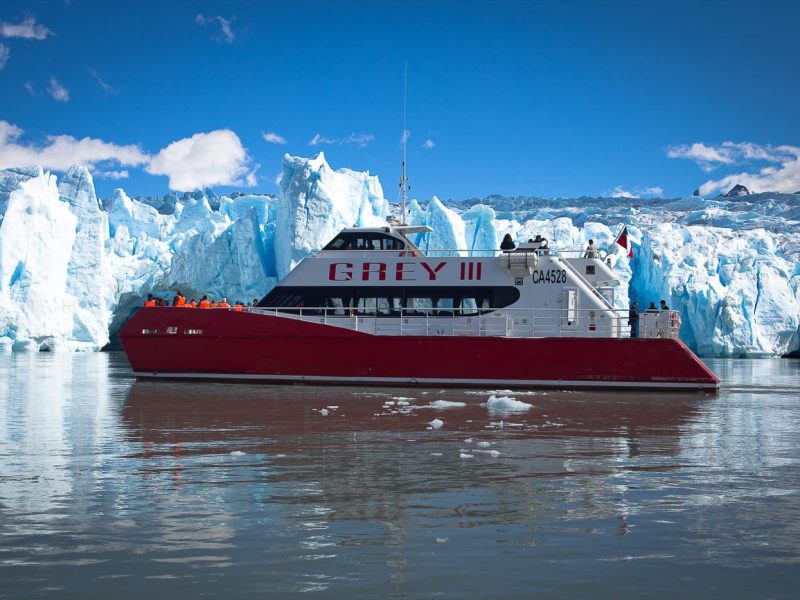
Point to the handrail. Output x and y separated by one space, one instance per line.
482 322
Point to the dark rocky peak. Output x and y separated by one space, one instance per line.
737 190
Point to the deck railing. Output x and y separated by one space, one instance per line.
507 322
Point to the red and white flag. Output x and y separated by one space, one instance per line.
625 241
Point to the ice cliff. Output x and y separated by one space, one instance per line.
73 267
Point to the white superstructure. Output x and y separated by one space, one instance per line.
376 280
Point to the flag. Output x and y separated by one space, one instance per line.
624 241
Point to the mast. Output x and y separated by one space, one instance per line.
403 177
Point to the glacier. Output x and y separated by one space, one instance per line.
74 267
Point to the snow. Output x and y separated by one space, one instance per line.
74 267
436 424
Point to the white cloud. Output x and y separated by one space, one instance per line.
359 139
29 88
428 144
782 178
29 29
273 138
205 159
123 174
782 175
106 87
58 91
226 31
62 151
5 53
620 192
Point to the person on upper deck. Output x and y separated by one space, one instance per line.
664 306
507 244
591 250
652 308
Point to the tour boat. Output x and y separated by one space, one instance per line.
371 308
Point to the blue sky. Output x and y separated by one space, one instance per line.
517 98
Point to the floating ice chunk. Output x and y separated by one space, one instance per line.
324 412
402 403
492 453
237 453
465 455
468 441
401 398
333 407
506 404
443 404
484 444
436 454
436 424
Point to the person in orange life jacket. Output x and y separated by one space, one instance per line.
192 304
179 299
214 303
204 303
224 303
150 302
237 306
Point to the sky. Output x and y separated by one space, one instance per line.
536 98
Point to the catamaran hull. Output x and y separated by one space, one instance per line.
227 345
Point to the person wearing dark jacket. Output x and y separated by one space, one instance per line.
664 306
507 244
633 319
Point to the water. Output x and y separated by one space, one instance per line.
111 488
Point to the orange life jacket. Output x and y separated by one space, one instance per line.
150 303
192 304
224 305
237 307
213 305
181 301
205 304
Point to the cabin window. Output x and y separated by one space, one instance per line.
384 301
364 240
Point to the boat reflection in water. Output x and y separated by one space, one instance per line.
375 452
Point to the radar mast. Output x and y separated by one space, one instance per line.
404 187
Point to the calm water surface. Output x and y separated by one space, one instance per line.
112 488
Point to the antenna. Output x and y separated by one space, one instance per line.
403 177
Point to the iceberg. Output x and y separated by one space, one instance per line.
74 267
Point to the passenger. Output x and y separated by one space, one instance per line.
204 303
633 319
664 306
193 304
544 247
507 244
591 250
255 302
150 302
224 303
179 300
214 303
237 306
161 302
652 308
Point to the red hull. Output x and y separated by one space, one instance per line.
237 345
